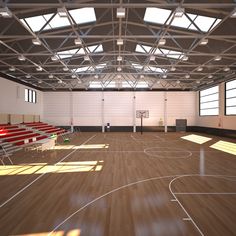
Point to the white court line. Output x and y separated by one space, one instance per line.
159 149
106 194
40 176
174 195
220 193
138 182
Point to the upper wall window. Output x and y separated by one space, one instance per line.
209 101
30 96
230 98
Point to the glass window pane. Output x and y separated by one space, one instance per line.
182 22
26 95
209 112
30 95
231 93
211 90
33 97
231 102
204 23
156 15
212 97
230 110
83 15
231 84
210 105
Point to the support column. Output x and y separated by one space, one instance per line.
103 126
165 111
71 113
134 112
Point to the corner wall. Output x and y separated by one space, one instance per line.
12 99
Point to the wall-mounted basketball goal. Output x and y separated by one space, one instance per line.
142 114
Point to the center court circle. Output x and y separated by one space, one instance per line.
166 152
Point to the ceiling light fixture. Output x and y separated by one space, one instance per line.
50 76
77 41
12 68
86 58
119 69
28 76
59 81
172 68
226 69
62 12
40 81
217 58
198 81
120 13
162 42
21 58
141 76
73 76
65 69
203 42
210 76
199 68
177 82
179 12
152 58
36 41
5 12
187 76
39 68
164 76
119 58
54 58
185 58
96 76
120 42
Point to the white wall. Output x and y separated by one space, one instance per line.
221 121
12 100
118 107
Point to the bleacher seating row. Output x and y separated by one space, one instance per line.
25 133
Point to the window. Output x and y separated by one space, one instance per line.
230 98
30 96
209 102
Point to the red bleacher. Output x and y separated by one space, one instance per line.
27 132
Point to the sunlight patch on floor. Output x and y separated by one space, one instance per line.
196 138
84 146
225 147
41 168
74 232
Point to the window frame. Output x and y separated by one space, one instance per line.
225 105
199 101
31 96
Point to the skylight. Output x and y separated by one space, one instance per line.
81 69
143 48
110 84
80 16
126 84
137 66
95 84
158 51
142 84
79 51
156 15
155 69
160 16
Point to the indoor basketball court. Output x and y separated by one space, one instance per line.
117 118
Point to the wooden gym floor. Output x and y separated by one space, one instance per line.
121 184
